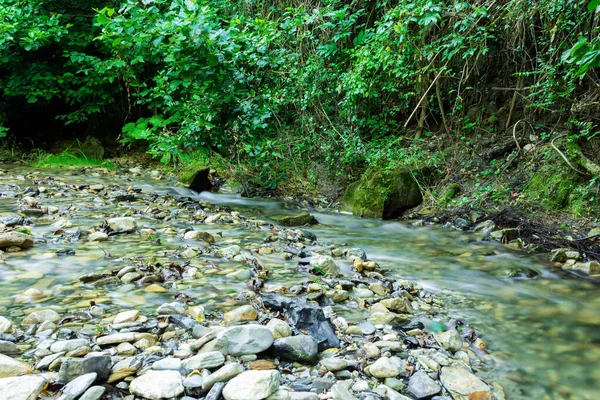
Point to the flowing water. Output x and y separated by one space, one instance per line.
543 333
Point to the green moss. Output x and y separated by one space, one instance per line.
551 187
381 193
448 194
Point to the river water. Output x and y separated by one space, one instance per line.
542 333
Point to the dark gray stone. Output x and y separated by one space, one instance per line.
71 368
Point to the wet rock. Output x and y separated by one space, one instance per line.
252 385
240 314
334 364
244 339
157 385
71 368
77 386
199 235
208 360
591 267
12 367
306 317
301 348
171 308
340 391
463 384
421 385
325 265
505 235
450 340
98 237
122 224
485 227
297 220
279 328
11 219
15 239
223 374
356 252
22 387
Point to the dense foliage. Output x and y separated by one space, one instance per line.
347 83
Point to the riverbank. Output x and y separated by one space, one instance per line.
156 294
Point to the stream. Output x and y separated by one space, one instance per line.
541 325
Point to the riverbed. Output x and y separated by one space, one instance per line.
541 325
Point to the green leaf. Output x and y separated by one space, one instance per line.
592 5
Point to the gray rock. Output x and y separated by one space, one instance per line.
71 368
68 345
11 219
171 308
367 327
173 364
223 374
421 385
334 364
356 252
116 338
193 381
215 392
461 382
340 391
252 385
122 224
12 367
208 360
37 317
296 348
21 387
157 385
77 386
244 339
93 393
485 227
7 347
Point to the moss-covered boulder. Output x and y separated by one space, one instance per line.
382 194
297 220
92 148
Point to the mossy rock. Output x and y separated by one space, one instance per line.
448 194
297 220
552 187
382 194
92 148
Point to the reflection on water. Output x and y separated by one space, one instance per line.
543 332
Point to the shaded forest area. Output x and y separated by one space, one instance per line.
497 100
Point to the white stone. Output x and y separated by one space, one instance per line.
157 385
21 387
5 325
279 328
98 237
252 385
126 316
244 339
11 367
208 360
122 224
